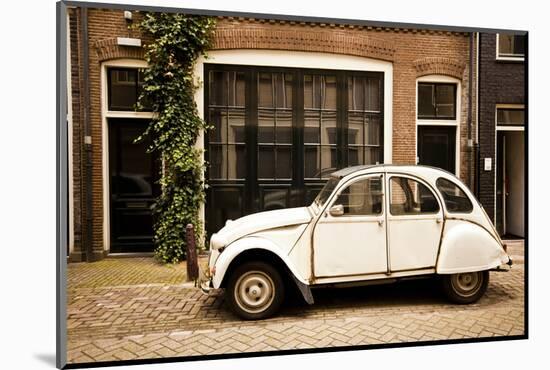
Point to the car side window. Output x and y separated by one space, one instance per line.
362 197
410 197
455 199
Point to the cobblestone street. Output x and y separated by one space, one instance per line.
156 315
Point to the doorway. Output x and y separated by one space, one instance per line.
510 183
437 147
133 187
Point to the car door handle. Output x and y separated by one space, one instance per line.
380 222
438 220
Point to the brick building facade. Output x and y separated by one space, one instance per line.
501 107
391 61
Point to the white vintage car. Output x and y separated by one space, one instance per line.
369 224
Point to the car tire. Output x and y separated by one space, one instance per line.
465 288
255 291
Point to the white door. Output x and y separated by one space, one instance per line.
350 238
415 221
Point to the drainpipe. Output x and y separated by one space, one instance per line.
88 245
470 111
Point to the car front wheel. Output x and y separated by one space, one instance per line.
255 290
466 287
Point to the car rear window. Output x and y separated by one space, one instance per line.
456 201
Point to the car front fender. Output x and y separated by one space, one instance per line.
468 247
240 246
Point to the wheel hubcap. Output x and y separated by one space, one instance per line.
254 291
467 284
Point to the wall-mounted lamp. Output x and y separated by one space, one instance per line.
128 15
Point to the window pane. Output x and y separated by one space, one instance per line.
328 133
328 161
147 104
216 159
134 166
266 126
236 126
356 95
455 199
236 93
511 117
426 107
218 119
329 92
284 127
311 129
505 43
265 90
283 90
236 161
355 155
266 162
373 130
312 167
355 128
519 45
372 155
122 89
284 162
408 197
274 199
445 100
373 95
218 88
361 198
312 92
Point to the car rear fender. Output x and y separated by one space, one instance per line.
467 247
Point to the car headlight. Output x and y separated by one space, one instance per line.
216 242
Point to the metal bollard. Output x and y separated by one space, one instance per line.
191 254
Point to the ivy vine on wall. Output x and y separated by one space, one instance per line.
178 40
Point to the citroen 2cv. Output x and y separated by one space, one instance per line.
369 224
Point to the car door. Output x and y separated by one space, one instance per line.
350 237
415 221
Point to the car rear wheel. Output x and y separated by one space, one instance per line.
466 287
255 290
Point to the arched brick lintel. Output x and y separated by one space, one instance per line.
439 66
302 40
108 49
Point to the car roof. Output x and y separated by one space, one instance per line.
427 172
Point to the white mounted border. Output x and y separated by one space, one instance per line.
105 114
441 122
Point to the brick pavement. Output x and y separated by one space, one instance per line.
160 319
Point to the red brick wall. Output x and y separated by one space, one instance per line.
405 48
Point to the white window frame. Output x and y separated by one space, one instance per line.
105 115
441 122
512 58
508 127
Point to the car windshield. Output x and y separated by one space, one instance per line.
324 194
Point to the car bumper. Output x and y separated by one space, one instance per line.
204 281
504 267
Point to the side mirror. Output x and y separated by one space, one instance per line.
336 210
